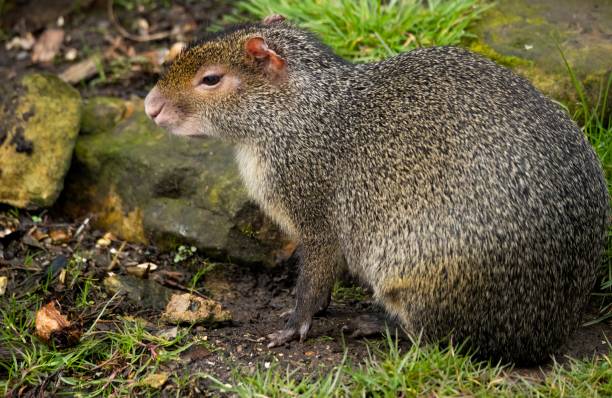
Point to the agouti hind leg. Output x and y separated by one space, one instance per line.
318 270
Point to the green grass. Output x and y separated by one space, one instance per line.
105 361
368 30
597 127
424 371
348 293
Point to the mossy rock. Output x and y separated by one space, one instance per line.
39 123
102 114
530 37
147 186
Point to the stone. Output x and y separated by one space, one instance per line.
101 114
144 293
144 185
189 308
527 35
39 123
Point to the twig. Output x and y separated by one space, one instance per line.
93 325
113 263
178 286
128 35
81 227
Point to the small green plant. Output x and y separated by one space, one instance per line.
132 5
369 30
184 253
104 363
248 230
200 273
36 219
83 298
348 293
13 212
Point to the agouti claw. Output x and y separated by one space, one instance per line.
281 337
286 335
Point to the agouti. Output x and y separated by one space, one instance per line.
469 202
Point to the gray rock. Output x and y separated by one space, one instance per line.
145 293
147 186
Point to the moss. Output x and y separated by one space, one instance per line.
506 60
125 223
348 293
248 230
527 36
101 114
40 132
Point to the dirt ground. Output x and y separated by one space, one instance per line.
127 45
255 296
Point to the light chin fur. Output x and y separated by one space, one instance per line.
192 128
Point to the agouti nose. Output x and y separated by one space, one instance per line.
154 103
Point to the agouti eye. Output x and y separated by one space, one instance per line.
211 80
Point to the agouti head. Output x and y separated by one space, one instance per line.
229 83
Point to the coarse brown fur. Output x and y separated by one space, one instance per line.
470 203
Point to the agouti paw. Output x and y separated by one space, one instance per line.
285 335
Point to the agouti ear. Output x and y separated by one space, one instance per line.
256 47
272 19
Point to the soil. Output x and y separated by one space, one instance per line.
255 296
89 29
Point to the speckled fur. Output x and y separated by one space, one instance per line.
472 204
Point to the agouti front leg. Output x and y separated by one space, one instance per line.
318 271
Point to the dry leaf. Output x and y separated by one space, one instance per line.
149 266
38 234
155 380
21 43
59 236
3 285
53 327
47 45
80 71
103 242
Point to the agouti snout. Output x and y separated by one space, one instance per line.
471 204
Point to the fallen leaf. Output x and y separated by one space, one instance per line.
8 225
59 236
53 327
169 333
196 354
21 43
30 241
80 71
137 272
147 266
155 380
47 45
38 234
103 242
3 285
